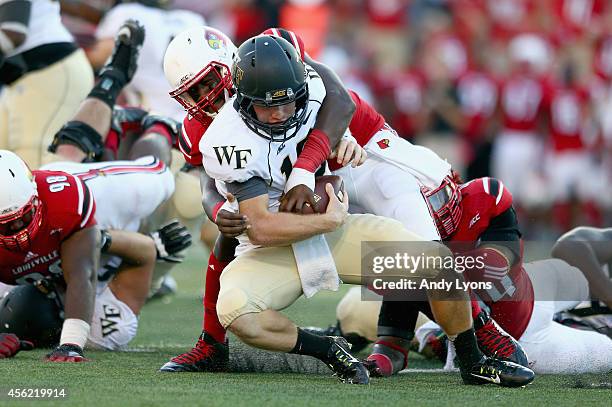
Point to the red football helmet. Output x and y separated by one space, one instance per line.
445 206
20 207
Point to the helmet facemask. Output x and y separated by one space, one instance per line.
445 205
275 131
200 94
28 218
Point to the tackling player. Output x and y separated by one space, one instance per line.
523 299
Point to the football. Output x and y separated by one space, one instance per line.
320 195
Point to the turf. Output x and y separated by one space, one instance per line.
170 327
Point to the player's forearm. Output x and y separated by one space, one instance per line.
280 229
80 256
338 107
581 255
210 196
133 248
80 296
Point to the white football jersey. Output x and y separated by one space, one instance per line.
160 28
231 152
45 26
126 193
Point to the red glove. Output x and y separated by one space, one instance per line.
67 352
10 345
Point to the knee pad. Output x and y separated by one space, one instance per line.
187 196
81 135
233 303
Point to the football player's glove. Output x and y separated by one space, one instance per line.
10 345
170 240
67 352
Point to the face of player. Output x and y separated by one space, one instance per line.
203 89
15 226
274 114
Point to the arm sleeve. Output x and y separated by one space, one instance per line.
503 230
248 189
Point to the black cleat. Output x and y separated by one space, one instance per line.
344 365
207 355
493 341
500 372
123 62
358 342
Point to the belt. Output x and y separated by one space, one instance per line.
34 59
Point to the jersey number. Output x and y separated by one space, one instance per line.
287 165
57 183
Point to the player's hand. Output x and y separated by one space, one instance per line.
231 224
349 151
10 345
67 352
336 209
170 240
296 198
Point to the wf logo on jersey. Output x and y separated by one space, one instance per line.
107 323
227 154
384 143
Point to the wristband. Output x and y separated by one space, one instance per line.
300 176
74 331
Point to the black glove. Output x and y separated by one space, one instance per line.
67 352
170 240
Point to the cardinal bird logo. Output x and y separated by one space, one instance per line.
384 143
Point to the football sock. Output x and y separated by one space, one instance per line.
467 350
398 319
311 345
211 322
108 87
475 309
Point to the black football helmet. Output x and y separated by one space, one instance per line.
268 71
31 315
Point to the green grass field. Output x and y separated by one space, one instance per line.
169 328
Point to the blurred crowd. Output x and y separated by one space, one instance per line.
516 89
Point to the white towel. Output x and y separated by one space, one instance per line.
315 265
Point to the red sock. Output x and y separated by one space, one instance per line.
475 308
211 322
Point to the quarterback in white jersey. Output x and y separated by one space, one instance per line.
232 153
